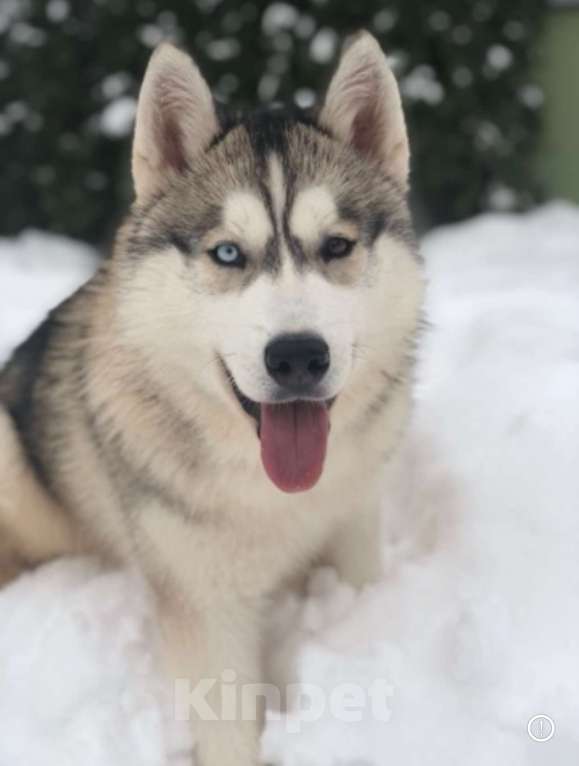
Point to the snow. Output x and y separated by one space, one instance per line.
116 119
75 691
57 10
421 85
499 57
37 271
323 45
473 630
277 17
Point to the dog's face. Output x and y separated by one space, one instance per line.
271 257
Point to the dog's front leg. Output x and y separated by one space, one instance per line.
31 525
214 658
355 548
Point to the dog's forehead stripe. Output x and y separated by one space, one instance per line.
279 195
277 189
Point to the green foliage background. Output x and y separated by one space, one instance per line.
70 71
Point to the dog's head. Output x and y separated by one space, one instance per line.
270 256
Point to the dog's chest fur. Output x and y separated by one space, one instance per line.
169 479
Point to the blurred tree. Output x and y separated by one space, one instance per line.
70 71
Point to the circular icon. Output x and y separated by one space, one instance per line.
541 728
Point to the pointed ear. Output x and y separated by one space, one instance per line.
175 119
363 108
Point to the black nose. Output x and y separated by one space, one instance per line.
297 361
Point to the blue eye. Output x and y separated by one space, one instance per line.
228 254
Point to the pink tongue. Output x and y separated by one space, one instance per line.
293 443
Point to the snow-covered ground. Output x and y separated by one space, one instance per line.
474 629
37 271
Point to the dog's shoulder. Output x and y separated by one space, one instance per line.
50 342
32 374
17 377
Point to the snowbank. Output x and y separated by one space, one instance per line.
37 271
473 630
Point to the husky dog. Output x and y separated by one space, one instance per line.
216 404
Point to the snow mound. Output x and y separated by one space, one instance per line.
473 630
73 690
37 271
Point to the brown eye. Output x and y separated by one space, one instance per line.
336 247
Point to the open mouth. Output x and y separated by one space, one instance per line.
293 437
247 405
